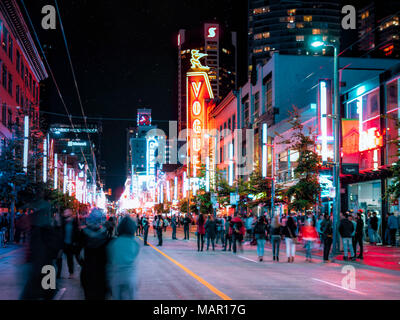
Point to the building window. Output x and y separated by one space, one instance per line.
4 114
233 122
266 35
364 15
10 48
9 123
256 104
4 41
18 62
22 70
307 18
229 124
4 76
246 114
299 38
291 25
316 31
258 36
10 84
17 93
267 48
300 25
268 94
291 12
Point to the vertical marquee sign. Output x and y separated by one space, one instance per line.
199 94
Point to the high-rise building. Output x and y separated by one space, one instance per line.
21 71
287 27
219 45
379 29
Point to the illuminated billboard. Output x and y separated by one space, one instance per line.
198 93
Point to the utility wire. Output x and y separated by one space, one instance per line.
54 80
76 86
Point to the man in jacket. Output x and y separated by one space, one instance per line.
359 235
238 232
327 235
392 226
145 223
159 227
346 229
173 226
186 224
374 227
227 234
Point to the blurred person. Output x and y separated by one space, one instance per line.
93 273
146 226
346 229
45 242
200 232
249 226
392 226
276 235
290 232
173 226
122 253
71 242
186 225
237 232
353 235
260 229
155 218
110 227
211 231
310 235
228 235
359 236
327 235
159 228
318 227
220 229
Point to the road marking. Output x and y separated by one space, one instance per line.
60 294
198 278
247 259
337 286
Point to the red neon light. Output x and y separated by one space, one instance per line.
370 139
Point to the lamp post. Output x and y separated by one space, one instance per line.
336 119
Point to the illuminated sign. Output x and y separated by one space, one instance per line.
144 119
325 125
195 60
70 130
212 32
151 163
326 182
77 144
370 139
198 91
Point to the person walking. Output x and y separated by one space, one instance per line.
238 232
211 231
159 228
186 225
200 232
173 226
310 235
276 234
359 236
327 235
346 229
227 234
260 229
392 225
249 221
93 273
146 226
220 230
290 237
374 226
155 225
122 254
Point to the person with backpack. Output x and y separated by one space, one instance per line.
159 228
146 226
327 235
227 234
290 237
186 225
211 231
276 234
260 229
238 232
200 232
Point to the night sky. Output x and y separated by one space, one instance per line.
125 56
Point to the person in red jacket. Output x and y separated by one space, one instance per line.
200 232
310 235
237 231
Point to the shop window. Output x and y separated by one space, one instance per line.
370 110
307 18
392 121
256 104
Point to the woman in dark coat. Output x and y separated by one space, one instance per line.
93 274
200 232
211 231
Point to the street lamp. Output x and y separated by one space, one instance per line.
336 119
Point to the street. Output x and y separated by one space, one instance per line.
176 271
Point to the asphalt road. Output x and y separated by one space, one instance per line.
176 271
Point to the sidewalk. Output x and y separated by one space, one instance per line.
374 256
